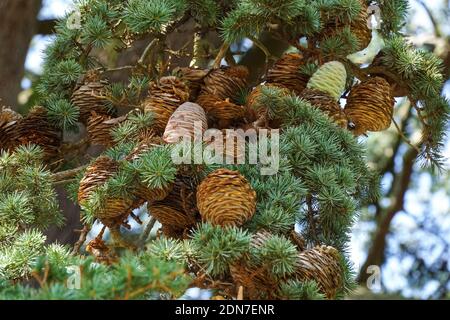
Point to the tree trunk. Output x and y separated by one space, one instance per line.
17 26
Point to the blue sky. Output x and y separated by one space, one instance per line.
403 224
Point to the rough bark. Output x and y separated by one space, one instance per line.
18 24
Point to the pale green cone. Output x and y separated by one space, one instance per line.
330 78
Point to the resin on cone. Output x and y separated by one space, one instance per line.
226 198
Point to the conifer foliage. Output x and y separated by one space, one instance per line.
220 226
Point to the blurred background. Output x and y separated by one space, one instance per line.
401 244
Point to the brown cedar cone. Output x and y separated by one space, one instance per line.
257 282
397 89
177 212
226 198
321 264
225 82
164 98
101 252
256 110
88 97
326 104
144 193
102 169
358 27
370 106
222 110
221 87
193 77
184 122
35 128
285 73
99 128
8 123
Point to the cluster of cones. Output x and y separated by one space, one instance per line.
320 264
369 104
224 197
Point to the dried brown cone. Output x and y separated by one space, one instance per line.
398 90
225 82
257 282
193 77
8 122
286 73
90 97
35 128
98 173
321 264
370 106
326 104
99 127
256 110
184 122
164 98
358 27
177 212
221 109
143 193
226 198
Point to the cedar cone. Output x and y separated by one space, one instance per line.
193 77
321 264
88 97
143 192
370 106
164 98
397 89
225 82
99 128
285 73
326 104
257 282
35 128
177 212
222 87
330 78
182 122
257 110
221 109
226 198
8 123
358 27
98 173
